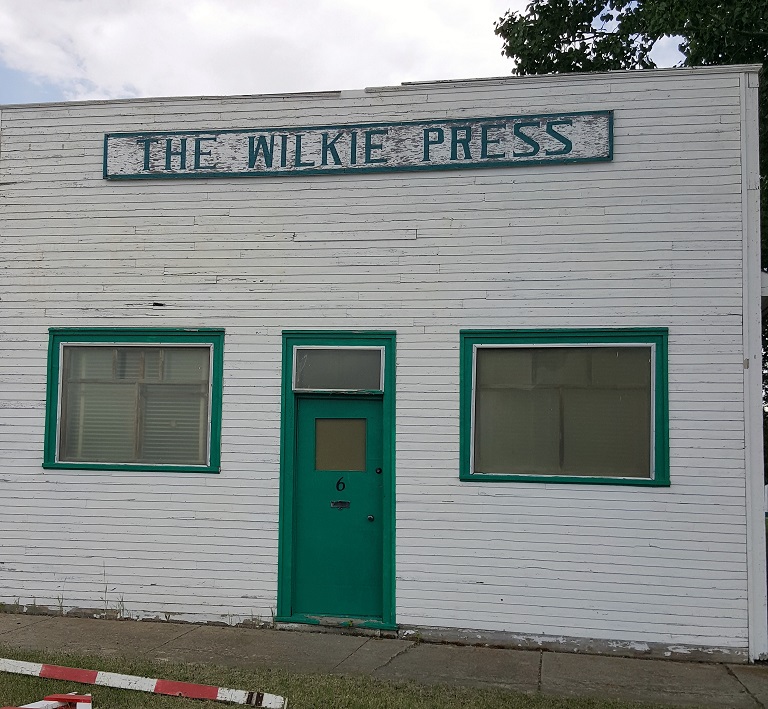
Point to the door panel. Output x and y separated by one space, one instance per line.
338 512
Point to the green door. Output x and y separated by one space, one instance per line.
338 512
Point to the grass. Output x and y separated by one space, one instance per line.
304 691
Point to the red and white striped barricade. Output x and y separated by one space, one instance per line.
145 684
60 701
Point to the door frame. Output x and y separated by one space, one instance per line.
288 442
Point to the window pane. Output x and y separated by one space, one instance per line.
128 404
516 425
99 423
607 432
88 362
129 361
340 444
175 424
500 368
622 367
563 411
338 369
186 364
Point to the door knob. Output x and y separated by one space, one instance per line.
370 518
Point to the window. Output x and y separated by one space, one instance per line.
338 368
565 405
140 399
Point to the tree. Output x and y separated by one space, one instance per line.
557 36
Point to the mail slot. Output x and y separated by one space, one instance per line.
340 504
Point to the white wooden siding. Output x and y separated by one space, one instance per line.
653 238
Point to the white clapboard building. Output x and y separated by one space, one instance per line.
473 359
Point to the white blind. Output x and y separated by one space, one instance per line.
131 404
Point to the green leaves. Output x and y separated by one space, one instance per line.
595 35
714 31
573 35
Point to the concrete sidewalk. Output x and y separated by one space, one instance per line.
687 684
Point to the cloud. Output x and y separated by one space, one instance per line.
110 49
666 51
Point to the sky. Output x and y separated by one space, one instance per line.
68 50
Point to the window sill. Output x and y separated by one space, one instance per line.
565 479
133 467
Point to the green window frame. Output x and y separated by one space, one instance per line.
148 342
654 338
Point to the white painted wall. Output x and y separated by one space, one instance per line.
654 238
